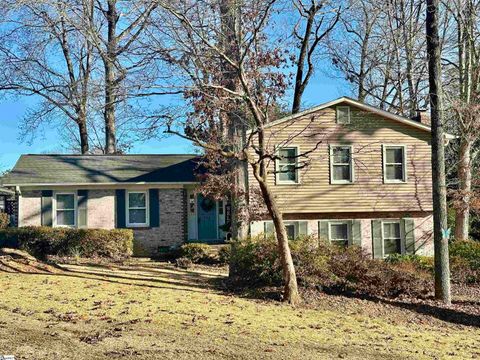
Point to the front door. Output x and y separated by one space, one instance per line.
207 218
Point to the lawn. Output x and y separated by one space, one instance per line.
148 310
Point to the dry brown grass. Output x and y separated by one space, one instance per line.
147 310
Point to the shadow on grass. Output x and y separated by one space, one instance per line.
444 313
168 278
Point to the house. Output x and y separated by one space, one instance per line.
152 194
351 173
367 182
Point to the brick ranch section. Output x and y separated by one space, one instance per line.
101 215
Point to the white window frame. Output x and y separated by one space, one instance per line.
277 166
340 222
402 235
352 171
337 117
75 209
147 208
404 167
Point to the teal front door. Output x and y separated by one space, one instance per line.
207 218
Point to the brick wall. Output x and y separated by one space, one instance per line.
172 231
30 208
101 209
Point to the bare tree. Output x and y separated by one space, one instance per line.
42 55
442 268
196 38
316 20
116 35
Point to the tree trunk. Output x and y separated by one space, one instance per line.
299 84
462 215
110 80
442 268
291 294
82 129
230 14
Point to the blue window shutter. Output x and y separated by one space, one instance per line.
82 199
154 208
47 217
120 208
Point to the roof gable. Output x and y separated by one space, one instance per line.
362 106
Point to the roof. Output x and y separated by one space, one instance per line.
360 105
61 169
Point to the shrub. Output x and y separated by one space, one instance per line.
183 262
329 267
423 262
43 241
4 220
465 261
224 254
196 252
255 262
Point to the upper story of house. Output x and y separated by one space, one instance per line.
345 156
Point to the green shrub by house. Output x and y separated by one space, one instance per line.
196 252
42 241
465 261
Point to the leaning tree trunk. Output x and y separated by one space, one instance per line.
462 215
442 268
290 294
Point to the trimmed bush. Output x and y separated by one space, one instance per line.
4 220
42 241
328 267
196 252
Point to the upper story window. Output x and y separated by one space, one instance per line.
137 208
343 114
341 163
287 172
338 233
65 209
392 238
394 163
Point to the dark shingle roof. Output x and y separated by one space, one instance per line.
79 169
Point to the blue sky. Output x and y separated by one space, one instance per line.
321 89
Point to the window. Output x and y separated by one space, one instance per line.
290 229
287 166
220 207
341 171
294 229
338 233
392 238
137 208
65 210
394 168
343 114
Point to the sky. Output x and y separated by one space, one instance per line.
321 89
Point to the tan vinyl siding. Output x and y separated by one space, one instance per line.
367 133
